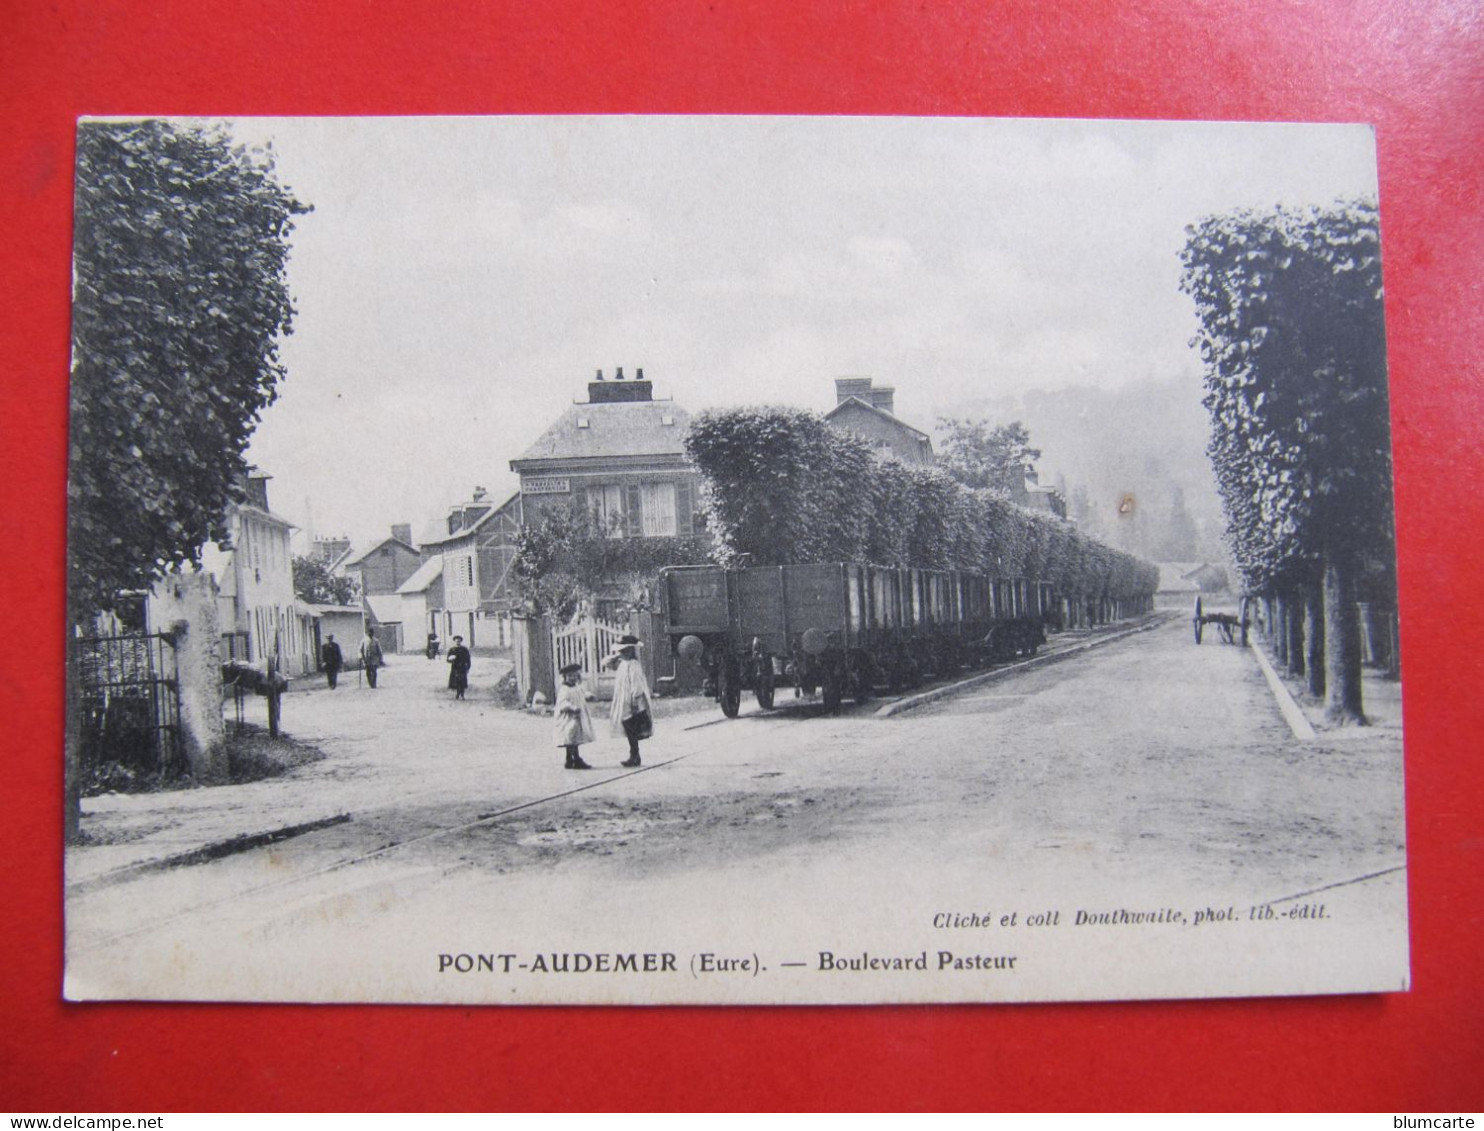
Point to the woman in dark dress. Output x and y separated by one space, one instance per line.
458 668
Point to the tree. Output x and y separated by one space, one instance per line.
179 297
783 486
980 456
1293 339
1179 535
565 558
314 584
179 300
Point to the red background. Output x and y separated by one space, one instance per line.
1413 69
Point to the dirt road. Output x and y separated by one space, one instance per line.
1145 774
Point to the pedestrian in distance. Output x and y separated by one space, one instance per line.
332 660
370 656
574 725
433 645
459 663
631 716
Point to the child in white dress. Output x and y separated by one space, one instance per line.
574 725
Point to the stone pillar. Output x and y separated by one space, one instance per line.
185 606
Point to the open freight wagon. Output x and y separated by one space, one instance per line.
843 629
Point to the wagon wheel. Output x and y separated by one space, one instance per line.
1199 620
763 685
832 689
729 688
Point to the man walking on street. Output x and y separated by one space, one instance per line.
333 661
370 655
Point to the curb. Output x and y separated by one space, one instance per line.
914 701
1292 713
246 842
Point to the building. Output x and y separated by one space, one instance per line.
868 410
346 623
463 586
621 453
1034 496
383 566
1180 583
256 604
330 550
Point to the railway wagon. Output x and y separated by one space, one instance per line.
843 629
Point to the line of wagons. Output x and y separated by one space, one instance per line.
845 630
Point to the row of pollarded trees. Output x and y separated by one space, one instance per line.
781 485
1294 345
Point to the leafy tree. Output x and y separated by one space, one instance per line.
179 297
980 456
565 558
1293 340
178 303
316 585
783 486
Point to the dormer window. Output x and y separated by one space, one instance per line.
583 422
667 420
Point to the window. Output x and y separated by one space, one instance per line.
645 510
657 510
606 503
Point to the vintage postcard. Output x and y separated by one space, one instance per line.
651 560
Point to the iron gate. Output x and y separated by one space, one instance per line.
129 687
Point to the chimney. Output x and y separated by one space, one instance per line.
328 549
600 375
402 532
882 396
609 392
257 489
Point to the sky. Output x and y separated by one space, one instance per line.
460 280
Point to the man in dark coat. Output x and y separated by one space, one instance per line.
459 662
332 660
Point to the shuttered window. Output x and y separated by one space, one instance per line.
657 510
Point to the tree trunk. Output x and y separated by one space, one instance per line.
1280 629
1342 693
1314 639
1295 606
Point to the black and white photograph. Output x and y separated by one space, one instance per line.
730 560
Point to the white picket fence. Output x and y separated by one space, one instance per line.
586 642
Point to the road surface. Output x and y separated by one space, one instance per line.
1146 775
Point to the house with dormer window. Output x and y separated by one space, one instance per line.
622 453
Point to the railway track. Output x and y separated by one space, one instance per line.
269 892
